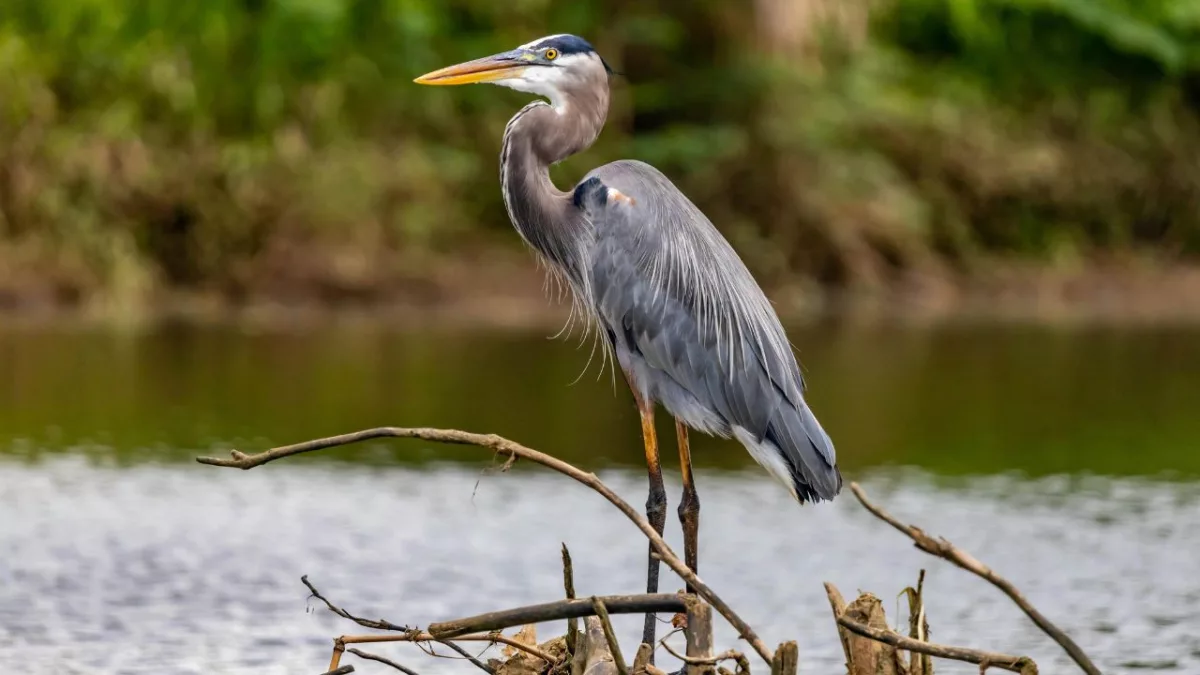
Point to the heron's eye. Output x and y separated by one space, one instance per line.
551 54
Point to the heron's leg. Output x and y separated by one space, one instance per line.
656 504
689 506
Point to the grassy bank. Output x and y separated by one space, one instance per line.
269 149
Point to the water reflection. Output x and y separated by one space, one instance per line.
954 400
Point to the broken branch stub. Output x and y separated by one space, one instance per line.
699 634
787 659
869 656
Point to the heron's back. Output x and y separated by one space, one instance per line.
695 332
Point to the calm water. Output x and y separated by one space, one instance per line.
1068 459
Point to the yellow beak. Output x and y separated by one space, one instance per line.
488 69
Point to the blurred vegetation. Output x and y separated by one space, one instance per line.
265 147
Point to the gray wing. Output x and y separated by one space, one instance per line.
694 330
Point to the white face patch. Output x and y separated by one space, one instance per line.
547 80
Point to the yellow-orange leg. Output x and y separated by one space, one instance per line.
689 506
656 505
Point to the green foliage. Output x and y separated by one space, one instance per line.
1053 46
279 146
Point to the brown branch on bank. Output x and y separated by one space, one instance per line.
342 670
512 449
387 662
556 611
1016 664
942 548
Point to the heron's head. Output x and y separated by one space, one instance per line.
555 67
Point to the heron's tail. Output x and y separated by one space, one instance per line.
796 449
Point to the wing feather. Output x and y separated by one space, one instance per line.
698 332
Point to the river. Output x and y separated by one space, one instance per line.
1068 458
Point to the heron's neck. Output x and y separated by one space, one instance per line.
535 138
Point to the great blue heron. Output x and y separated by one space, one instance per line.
689 326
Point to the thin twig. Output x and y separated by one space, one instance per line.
379 624
509 448
387 662
942 548
1016 664
343 670
569 587
468 656
614 646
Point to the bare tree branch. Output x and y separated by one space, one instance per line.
512 449
1016 664
942 548
387 662
557 610
421 636
343 670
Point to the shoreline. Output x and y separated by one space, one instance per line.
513 295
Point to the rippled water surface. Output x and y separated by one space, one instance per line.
1066 459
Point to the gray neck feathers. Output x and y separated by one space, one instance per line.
535 138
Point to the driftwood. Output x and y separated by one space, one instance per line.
870 646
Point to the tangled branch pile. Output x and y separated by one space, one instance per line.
870 646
